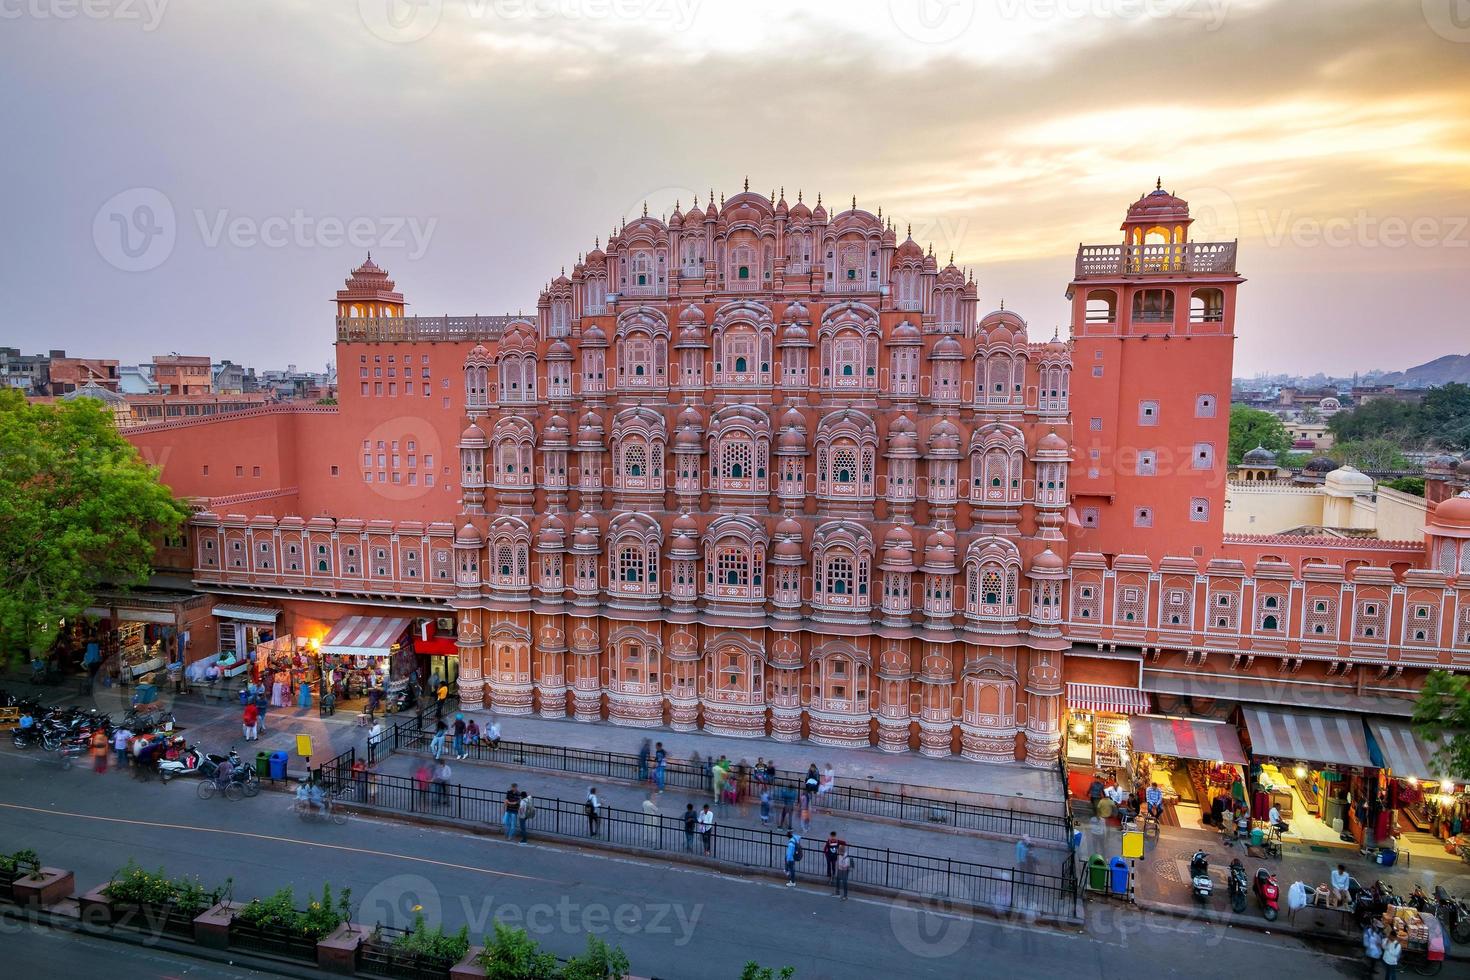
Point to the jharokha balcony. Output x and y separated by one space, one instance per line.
1109 261
395 329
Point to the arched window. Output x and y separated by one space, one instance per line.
631 566
839 576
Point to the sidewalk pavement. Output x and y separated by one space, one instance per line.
1014 786
1162 879
624 796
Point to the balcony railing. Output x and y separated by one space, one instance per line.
397 329
1102 261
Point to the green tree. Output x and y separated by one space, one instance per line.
80 510
1384 418
1442 713
1406 484
1445 416
1370 454
1251 427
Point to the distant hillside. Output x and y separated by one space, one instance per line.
1440 371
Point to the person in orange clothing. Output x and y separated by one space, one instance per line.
99 750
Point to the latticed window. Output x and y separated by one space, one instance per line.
990 588
736 459
1130 605
732 567
1177 608
844 465
504 561
631 565
635 460
840 576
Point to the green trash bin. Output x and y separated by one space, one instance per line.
1097 873
263 765
1258 837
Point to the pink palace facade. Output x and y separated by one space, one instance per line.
764 470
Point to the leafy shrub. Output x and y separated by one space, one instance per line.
513 955
754 971
279 913
599 962
25 863
135 886
433 943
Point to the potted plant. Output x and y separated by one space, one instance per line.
419 951
275 925
30 883
153 901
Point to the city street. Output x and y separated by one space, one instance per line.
673 921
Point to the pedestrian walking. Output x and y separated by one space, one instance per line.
120 738
645 753
765 804
374 695
1023 854
706 829
843 868
806 812
1372 948
249 719
788 800
1392 951
826 784
830 849
660 763
372 782
793 855
593 806
262 701
99 751
459 731
375 738
421 784
650 818
436 744
524 813
691 824
809 785
441 782
512 810
441 697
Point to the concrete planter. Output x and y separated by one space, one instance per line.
212 926
469 967
337 953
46 887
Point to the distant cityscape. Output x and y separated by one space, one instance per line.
170 386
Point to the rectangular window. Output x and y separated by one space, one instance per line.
1095 424
1089 517
1204 455
392 388
255 471
364 389
1199 509
378 388
334 471
206 469
1143 517
1204 407
1148 413
1147 463
239 471
1097 371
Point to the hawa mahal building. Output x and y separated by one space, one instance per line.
763 469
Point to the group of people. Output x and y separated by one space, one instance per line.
1381 947
463 734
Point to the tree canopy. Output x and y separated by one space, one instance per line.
1251 427
80 510
1440 421
1370 454
1443 712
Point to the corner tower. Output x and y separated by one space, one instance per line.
1153 327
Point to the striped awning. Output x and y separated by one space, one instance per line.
1308 736
1400 750
1105 697
250 614
364 636
1186 738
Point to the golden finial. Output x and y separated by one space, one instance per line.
911 230
645 209
819 198
676 204
696 200
773 197
747 181
1159 184
1002 304
783 192
854 202
798 195
597 242
951 258
722 199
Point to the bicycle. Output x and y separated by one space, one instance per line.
324 808
232 790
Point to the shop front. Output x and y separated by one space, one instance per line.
1098 734
136 635
1417 796
1197 763
436 651
1315 768
364 653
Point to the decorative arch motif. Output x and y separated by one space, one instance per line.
997 460
735 559
842 556
513 463
848 338
992 579
638 440
634 542
642 349
740 450
847 449
744 342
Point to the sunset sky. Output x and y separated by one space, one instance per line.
479 145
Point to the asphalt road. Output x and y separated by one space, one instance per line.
38 951
673 921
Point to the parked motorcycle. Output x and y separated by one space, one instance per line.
1201 884
1238 886
1370 903
1453 912
1268 894
188 763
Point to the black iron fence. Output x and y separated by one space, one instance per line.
856 799
931 880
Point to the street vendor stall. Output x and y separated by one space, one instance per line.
364 653
1193 760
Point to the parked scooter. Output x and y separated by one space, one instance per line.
1238 885
188 763
1268 893
1201 884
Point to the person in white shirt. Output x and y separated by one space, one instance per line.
1339 883
706 828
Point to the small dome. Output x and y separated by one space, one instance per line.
551 535
690 418
585 539
559 350
1444 462
1048 560
789 527
793 419
944 436
468 535
1453 513
947 348
686 525
591 420
1056 344
479 354
791 439
1051 443
898 536
1463 470
1348 481
787 549
1321 464
902 441
1260 456
691 314
586 521
473 437
906 331
902 423
687 438
594 335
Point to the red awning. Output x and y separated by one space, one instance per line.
364 636
1308 736
1105 697
1187 739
